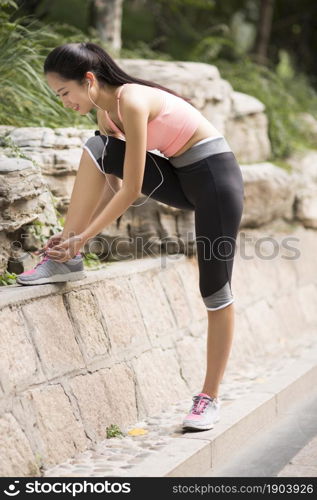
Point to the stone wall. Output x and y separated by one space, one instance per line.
130 339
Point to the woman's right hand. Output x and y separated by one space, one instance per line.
51 242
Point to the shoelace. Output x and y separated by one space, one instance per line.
42 261
200 404
46 258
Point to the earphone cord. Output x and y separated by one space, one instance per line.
102 159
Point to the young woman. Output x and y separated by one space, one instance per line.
198 172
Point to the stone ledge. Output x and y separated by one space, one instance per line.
18 293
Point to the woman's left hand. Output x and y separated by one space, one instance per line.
66 250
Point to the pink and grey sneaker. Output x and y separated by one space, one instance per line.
203 414
51 271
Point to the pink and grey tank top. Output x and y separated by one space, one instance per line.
171 128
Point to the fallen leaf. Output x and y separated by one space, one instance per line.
137 432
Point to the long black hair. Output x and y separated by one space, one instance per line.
71 61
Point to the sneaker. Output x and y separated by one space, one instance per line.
51 271
203 414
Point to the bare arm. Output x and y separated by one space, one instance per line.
107 194
112 183
135 115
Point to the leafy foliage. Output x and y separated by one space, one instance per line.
220 33
26 98
114 430
8 279
283 98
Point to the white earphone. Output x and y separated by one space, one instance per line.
103 155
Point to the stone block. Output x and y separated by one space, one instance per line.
247 134
19 366
118 305
307 300
286 274
31 136
263 182
174 290
266 326
248 282
93 402
291 318
159 380
305 171
43 158
296 385
88 323
16 456
189 274
191 353
66 161
53 335
306 265
61 434
120 389
20 179
62 186
243 104
245 342
153 303
5 251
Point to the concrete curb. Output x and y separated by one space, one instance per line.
194 454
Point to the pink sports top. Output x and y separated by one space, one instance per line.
171 128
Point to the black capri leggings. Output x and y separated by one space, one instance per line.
211 186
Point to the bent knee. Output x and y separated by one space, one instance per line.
219 299
95 146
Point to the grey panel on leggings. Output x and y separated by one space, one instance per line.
95 144
219 298
201 151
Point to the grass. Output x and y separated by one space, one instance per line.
24 44
114 431
8 279
284 100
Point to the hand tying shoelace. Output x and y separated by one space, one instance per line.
41 261
50 271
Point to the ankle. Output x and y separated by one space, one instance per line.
210 394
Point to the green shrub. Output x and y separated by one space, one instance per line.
26 99
7 279
284 99
114 430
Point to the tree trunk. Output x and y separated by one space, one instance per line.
264 31
108 18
